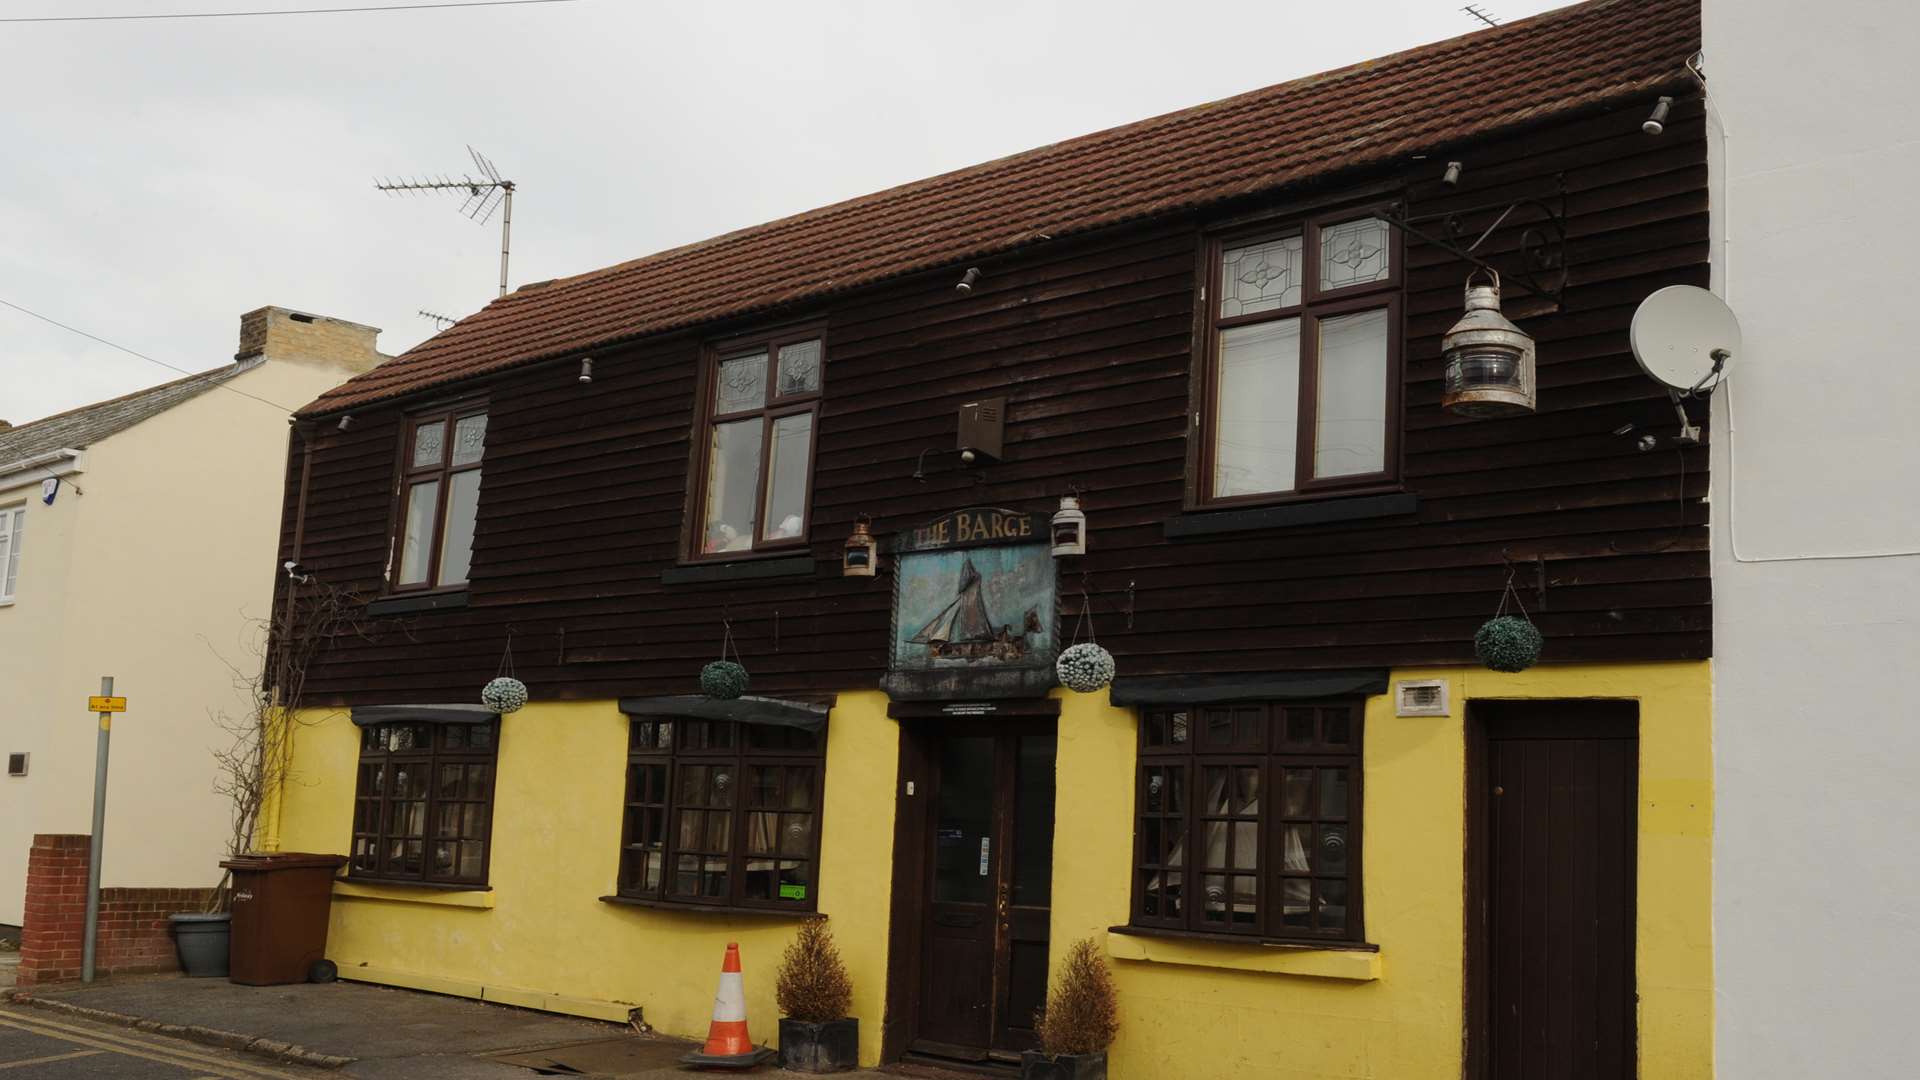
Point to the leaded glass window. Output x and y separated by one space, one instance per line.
439 499
754 466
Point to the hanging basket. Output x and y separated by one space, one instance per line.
504 695
1084 668
1507 643
723 680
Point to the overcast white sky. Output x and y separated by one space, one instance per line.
159 178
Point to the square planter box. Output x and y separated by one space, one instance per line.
1035 1065
831 1046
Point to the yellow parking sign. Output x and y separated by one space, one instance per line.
96 703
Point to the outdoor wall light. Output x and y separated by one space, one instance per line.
346 422
862 555
967 281
1069 528
1489 360
1657 120
1451 177
586 369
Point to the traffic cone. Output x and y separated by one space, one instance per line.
728 1044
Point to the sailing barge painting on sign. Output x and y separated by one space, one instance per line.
978 606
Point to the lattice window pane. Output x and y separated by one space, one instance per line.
1260 277
799 369
741 384
1354 253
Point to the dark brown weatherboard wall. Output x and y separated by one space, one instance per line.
584 487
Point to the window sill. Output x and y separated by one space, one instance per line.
479 897
744 569
1316 512
706 909
1350 961
418 602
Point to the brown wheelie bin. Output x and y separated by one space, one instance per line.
281 903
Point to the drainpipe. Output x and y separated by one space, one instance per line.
273 800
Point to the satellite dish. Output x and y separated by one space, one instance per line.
1684 337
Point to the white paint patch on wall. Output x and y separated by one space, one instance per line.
1816 871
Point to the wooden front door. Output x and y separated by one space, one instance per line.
1553 904
989 891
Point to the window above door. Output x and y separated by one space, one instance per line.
1298 394
752 470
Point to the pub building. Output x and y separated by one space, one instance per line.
1183 389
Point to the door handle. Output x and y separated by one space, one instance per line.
1002 902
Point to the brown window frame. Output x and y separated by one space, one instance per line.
773 407
374 811
406 476
660 750
1316 304
1257 739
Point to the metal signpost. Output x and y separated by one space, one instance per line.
106 705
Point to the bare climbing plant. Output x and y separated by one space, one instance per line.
259 752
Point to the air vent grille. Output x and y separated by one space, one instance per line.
16 764
1424 697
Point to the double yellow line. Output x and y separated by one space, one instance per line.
209 1065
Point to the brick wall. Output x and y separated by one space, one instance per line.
297 337
133 936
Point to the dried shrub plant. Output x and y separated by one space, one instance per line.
813 984
1082 1013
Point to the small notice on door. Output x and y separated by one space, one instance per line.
984 846
793 892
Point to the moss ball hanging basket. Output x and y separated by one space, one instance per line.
723 680
1084 668
505 694
1507 643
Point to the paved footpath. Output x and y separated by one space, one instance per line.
35 1045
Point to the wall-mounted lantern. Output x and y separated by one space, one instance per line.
862 555
1489 360
1069 528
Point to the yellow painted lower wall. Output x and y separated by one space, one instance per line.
1196 1009
541 938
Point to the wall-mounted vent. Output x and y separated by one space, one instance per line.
16 764
1420 697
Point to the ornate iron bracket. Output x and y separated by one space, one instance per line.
1543 238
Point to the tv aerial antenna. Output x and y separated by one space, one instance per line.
1474 10
440 322
484 195
1685 338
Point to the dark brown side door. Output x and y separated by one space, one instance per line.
1553 907
990 860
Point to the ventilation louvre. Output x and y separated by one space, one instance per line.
1420 697
16 764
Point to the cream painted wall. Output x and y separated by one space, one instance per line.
156 575
1815 145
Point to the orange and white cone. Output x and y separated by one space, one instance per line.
728 1044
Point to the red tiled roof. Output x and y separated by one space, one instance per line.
1356 116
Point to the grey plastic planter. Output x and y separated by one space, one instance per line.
202 942
1035 1065
827 1047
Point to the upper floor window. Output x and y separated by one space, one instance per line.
439 497
423 802
724 813
1302 352
13 523
754 456
1248 821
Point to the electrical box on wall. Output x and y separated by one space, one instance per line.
16 764
983 430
